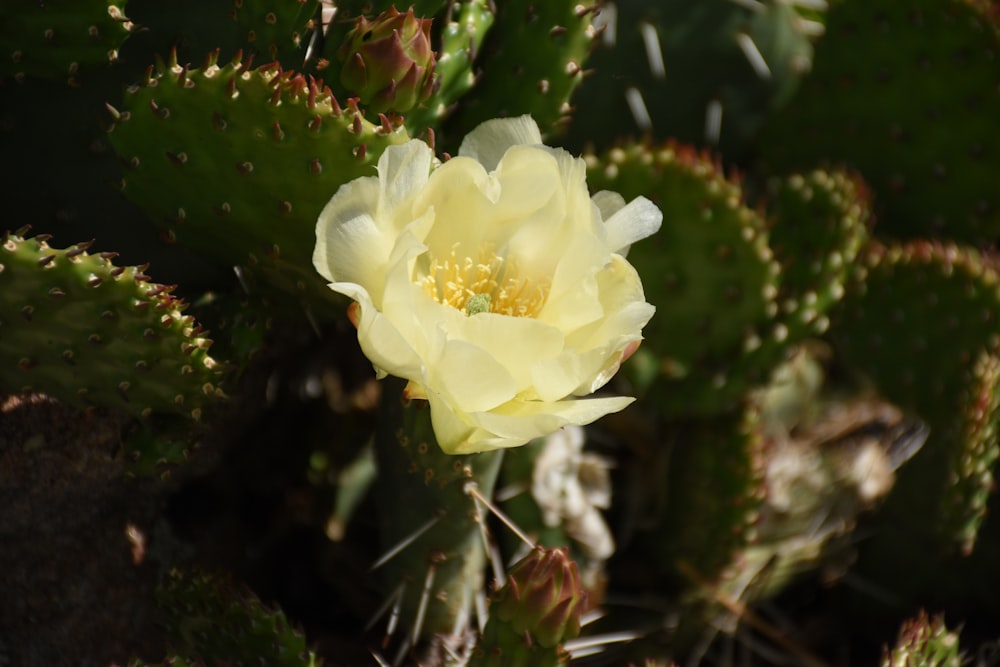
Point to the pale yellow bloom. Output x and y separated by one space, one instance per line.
493 282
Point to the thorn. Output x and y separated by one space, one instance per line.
654 52
393 600
115 114
277 133
638 108
315 123
713 122
753 55
45 261
80 248
425 596
386 125
472 489
356 126
405 542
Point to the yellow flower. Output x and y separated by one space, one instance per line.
493 282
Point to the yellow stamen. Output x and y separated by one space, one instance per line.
454 281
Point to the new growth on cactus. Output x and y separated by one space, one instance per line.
723 391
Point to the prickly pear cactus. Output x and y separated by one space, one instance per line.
54 40
272 143
817 392
78 327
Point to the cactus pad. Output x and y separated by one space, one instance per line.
54 39
252 157
77 327
533 68
918 326
710 272
906 94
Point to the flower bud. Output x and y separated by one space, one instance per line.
388 62
543 597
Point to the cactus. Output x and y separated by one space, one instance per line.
80 328
817 392
54 41
279 143
212 621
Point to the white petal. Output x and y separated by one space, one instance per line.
494 333
637 220
384 345
491 139
526 420
469 377
350 245
608 203
402 172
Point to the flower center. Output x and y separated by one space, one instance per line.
488 284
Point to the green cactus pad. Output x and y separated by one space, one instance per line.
709 271
212 621
277 30
714 488
819 222
80 329
55 38
924 642
917 325
464 31
251 156
424 503
972 482
705 73
532 60
906 94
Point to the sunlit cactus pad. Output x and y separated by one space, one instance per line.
709 269
252 156
79 328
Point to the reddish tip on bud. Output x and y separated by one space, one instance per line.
544 597
388 62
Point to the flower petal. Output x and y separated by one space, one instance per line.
491 139
515 423
402 171
350 246
637 220
384 345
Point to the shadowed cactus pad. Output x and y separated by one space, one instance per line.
77 327
918 325
212 621
905 92
54 40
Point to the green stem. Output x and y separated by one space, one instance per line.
441 571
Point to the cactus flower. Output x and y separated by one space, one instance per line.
543 597
493 282
388 62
